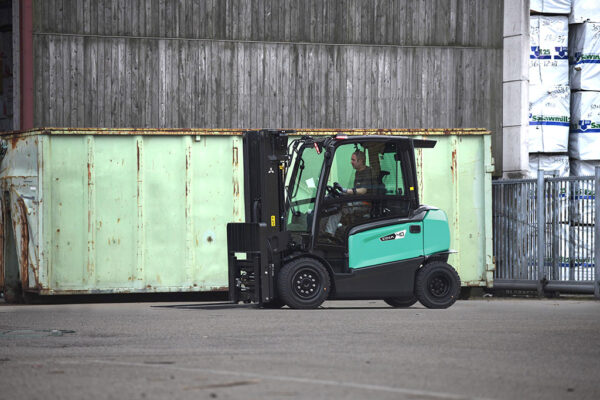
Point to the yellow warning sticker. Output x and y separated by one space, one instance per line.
272 220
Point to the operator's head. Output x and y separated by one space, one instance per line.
358 160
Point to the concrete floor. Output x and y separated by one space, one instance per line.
494 348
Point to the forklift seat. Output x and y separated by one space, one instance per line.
379 190
380 186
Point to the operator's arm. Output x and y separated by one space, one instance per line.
356 191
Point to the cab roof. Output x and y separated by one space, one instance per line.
417 143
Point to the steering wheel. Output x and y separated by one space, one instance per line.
336 190
332 192
339 188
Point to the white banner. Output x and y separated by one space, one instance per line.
548 56
584 168
584 137
584 10
584 56
548 163
548 119
551 6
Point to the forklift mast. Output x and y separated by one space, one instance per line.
265 153
262 237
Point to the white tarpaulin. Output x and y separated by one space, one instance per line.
548 56
584 168
584 56
551 6
585 10
548 163
548 130
582 193
584 138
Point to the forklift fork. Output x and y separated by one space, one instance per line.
251 276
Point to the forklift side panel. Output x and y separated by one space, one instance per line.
395 279
385 245
436 232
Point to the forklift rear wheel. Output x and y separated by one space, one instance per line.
303 283
401 302
437 285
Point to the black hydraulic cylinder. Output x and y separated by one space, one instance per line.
264 154
262 237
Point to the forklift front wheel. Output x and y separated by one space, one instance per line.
303 283
437 285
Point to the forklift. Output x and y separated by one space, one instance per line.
337 218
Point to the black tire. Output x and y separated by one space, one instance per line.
303 283
401 302
437 285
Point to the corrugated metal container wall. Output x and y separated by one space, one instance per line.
109 211
456 177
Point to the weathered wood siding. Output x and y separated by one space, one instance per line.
268 63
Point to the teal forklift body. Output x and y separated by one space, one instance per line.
384 245
436 232
400 242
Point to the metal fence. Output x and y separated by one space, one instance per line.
547 234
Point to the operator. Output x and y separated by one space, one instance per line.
363 177
363 182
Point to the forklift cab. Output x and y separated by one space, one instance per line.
325 208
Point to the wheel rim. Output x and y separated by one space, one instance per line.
439 285
306 283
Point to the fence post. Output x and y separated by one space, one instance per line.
597 234
541 225
554 202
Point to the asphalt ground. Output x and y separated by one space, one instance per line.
491 348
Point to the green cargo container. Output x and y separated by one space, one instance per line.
132 211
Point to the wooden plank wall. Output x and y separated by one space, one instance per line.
269 63
6 67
